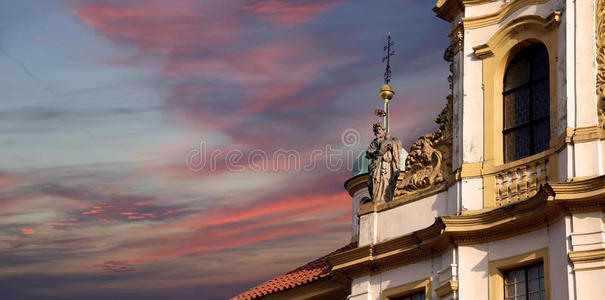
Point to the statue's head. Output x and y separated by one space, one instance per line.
378 129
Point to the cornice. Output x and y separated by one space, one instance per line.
476 2
405 199
549 205
448 9
447 288
499 15
587 256
503 34
356 183
584 134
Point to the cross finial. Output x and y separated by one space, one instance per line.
387 58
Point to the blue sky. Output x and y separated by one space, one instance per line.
104 103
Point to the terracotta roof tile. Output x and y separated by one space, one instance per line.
312 271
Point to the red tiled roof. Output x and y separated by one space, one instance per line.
310 272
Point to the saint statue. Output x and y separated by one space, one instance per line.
384 154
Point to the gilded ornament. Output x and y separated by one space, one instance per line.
430 158
600 45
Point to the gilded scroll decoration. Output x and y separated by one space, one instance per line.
600 45
456 42
430 158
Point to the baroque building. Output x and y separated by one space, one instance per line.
507 199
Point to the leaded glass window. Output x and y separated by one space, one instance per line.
525 283
415 296
526 104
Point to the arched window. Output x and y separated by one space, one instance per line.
526 104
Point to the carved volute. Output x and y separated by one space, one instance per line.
600 46
430 159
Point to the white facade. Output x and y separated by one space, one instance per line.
570 245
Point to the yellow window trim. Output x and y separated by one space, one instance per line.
409 288
495 55
497 267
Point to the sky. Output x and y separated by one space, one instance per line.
155 149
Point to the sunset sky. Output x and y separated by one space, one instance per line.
140 139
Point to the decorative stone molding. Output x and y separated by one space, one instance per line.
456 42
356 183
448 9
484 51
549 205
429 162
521 182
430 158
476 2
587 256
447 288
412 287
500 15
367 208
600 46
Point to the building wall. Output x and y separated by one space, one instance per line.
588 234
574 106
381 226
358 197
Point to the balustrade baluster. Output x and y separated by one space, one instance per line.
523 194
515 185
505 188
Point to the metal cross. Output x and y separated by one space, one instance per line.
387 58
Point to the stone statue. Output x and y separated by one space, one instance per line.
384 154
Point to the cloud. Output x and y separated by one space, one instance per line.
9 181
28 231
116 267
158 26
239 75
290 12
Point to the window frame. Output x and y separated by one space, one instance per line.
494 57
497 268
525 269
408 289
531 82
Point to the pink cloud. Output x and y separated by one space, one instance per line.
61 224
333 207
217 218
157 26
290 12
9 181
211 243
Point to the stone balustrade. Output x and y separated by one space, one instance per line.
520 182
